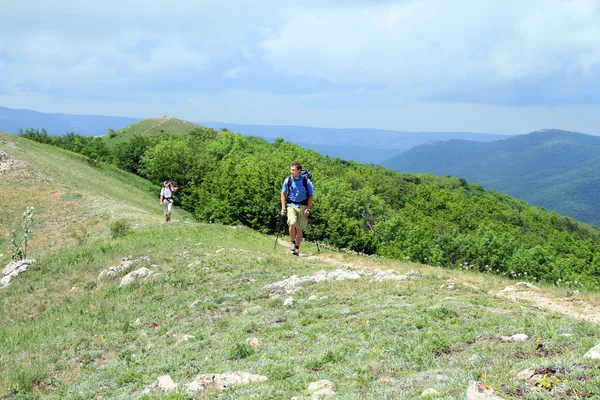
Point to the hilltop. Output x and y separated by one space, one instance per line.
553 169
219 298
150 127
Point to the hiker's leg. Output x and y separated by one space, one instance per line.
301 224
292 217
166 205
169 210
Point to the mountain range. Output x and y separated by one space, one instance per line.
362 145
554 169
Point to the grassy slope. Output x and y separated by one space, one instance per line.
151 127
373 340
68 195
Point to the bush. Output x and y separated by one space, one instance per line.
119 228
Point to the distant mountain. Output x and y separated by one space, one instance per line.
12 120
362 145
371 138
554 169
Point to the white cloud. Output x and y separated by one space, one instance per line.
428 42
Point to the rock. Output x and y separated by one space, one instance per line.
313 297
526 284
322 394
18 266
164 383
430 392
124 267
221 382
526 374
288 302
519 337
13 269
320 384
481 391
132 276
594 353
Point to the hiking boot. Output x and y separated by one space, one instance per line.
292 247
296 252
168 217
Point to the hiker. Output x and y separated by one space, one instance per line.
166 198
296 200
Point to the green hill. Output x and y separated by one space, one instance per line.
553 169
207 307
150 127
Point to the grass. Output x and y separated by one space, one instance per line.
381 340
64 334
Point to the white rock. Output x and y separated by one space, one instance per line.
165 383
18 266
124 267
526 374
430 392
132 276
519 337
221 382
313 297
288 302
13 269
594 353
322 394
481 391
320 384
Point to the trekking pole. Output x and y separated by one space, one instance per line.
278 231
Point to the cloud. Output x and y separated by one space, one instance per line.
423 46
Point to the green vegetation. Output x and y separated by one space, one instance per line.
442 221
147 128
553 169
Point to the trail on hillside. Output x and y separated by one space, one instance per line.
571 306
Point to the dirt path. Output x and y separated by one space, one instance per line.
571 306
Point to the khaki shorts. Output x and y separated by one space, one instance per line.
296 216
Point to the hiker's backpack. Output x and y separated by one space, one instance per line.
305 175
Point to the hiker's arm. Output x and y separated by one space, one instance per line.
283 210
309 205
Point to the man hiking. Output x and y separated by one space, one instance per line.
296 200
166 198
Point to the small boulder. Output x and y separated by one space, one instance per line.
594 353
430 392
320 384
132 276
322 394
519 337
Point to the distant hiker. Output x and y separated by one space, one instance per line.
166 198
296 200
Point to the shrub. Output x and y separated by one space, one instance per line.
119 228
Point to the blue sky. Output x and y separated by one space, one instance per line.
428 65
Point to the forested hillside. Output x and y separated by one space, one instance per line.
553 169
230 178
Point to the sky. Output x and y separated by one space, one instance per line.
506 66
